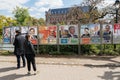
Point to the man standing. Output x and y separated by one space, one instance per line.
19 48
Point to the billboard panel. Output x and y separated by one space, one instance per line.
107 34
48 35
116 34
95 33
33 34
13 29
85 34
68 34
6 35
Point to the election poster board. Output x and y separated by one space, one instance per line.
13 33
33 35
107 34
85 34
116 34
94 33
48 34
6 35
68 34
24 29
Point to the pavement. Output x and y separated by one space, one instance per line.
63 68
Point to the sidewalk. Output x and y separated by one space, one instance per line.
70 60
63 68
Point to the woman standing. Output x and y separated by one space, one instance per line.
30 54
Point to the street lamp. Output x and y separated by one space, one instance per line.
117 5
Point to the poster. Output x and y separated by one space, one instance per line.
94 33
13 33
6 35
48 35
107 34
85 34
24 29
68 34
33 34
116 34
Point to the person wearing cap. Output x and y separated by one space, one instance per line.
19 48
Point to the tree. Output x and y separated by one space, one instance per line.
41 21
87 12
21 14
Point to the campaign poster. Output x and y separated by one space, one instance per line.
52 35
6 35
107 34
33 35
13 33
48 34
95 33
85 34
116 34
24 29
68 34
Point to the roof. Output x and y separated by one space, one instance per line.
66 10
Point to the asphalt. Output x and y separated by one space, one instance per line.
63 68
71 60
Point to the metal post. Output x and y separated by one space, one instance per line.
79 45
58 46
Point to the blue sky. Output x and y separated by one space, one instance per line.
36 8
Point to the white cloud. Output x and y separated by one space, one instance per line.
49 3
11 4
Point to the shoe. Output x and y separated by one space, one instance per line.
35 72
18 67
29 72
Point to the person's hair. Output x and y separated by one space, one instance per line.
71 27
32 29
27 36
18 31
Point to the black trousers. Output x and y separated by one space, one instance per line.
30 60
18 60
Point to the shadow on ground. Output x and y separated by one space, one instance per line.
7 69
12 76
110 75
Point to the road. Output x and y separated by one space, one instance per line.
63 69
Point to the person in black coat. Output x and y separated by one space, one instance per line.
19 48
30 54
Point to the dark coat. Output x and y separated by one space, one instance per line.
29 49
19 44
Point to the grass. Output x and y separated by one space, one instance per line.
4 52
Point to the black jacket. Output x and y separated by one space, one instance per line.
29 49
19 44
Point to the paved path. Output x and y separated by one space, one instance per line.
67 68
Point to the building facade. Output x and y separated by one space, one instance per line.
55 16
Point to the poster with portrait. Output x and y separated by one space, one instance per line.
85 34
48 34
116 34
52 37
6 35
107 34
68 34
13 33
33 34
94 33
